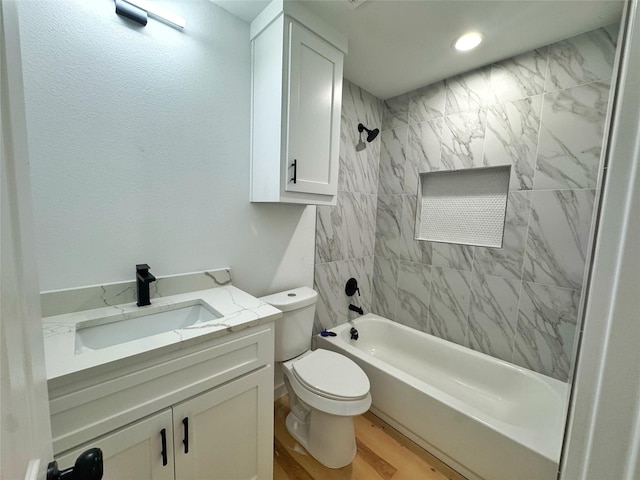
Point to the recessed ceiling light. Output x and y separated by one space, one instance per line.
468 41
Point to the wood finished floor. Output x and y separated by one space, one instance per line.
383 454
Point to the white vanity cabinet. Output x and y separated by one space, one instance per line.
205 411
135 451
225 430
296 105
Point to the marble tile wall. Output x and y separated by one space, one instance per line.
346 233
542 112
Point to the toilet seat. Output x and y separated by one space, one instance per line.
314 385
331 375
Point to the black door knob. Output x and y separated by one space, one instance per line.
88 466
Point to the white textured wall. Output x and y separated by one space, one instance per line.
139 149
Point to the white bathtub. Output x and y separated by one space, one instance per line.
484 417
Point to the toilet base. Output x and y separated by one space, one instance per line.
330 439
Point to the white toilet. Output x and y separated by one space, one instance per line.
325 389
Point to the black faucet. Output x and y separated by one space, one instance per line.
353 308
143 279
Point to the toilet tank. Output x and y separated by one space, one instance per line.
293 331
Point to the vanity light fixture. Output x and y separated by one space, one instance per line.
138 10
468 41
132 12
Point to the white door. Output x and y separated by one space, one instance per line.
141 451
25 431
226 433
315 99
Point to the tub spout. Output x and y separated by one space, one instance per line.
354 333
353 308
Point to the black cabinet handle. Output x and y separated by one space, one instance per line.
295 171
163 435
185 422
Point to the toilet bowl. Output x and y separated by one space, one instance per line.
326 389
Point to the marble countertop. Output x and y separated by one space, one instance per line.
239 310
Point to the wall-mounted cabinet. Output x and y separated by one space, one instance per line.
296 106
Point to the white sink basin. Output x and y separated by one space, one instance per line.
106 332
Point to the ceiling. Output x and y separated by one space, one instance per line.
396 46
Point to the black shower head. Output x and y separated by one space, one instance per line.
371 134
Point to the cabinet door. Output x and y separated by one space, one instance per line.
227 433
315 100
134 452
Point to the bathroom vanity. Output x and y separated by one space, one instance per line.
192 401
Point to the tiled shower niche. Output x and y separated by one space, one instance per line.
465 207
